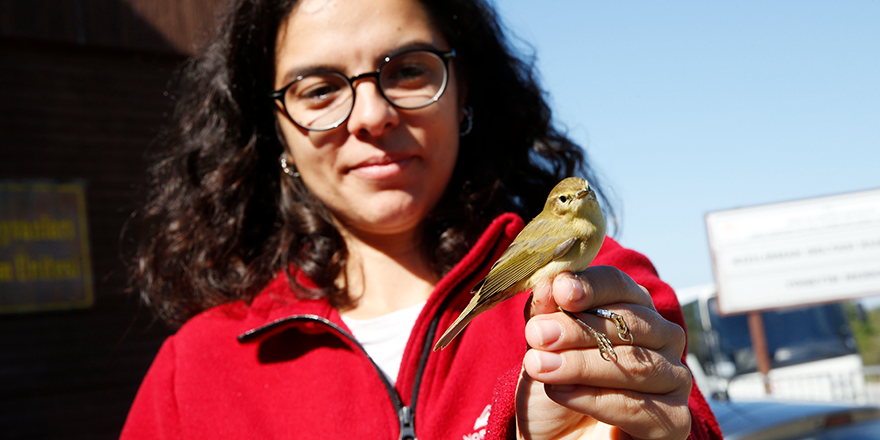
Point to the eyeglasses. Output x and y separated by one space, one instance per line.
323 100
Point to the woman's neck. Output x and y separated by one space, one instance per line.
385 273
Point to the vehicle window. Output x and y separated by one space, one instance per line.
696 338
793 335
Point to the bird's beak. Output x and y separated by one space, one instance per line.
580 194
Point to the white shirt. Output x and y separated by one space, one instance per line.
384 337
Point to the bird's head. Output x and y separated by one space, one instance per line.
573 198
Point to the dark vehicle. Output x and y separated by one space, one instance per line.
813 354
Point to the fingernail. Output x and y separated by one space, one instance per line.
546 361
577 290
547 331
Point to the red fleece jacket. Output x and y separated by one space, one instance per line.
281 368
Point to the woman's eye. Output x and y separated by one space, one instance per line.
411 71
318 92
407 74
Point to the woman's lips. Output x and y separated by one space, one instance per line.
381 167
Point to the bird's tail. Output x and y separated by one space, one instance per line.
460 323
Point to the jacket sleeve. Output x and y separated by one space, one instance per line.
154 413
703 423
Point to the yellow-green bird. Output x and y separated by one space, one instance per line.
565 236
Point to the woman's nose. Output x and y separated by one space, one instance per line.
372 115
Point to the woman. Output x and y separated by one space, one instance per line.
336 184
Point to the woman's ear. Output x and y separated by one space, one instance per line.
461 91
462 100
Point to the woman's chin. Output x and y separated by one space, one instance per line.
385 212
381 219
387 225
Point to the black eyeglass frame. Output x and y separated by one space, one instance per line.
444 56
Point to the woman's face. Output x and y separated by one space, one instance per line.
384 169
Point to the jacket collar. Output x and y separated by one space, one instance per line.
276 307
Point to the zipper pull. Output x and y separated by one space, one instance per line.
407 423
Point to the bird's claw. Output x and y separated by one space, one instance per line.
622 328
606 349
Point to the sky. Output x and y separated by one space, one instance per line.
686 107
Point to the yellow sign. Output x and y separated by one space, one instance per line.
44 248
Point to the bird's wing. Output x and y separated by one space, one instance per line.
530 255
517 263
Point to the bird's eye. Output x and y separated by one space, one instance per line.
563 199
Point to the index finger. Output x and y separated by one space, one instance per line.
598 286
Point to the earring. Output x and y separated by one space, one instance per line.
468 123
284 167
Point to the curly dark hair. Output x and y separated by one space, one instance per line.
222 219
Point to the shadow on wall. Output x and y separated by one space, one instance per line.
163 26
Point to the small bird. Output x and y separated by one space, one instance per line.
565 236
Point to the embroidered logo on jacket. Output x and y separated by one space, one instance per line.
479 425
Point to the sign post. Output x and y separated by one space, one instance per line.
759 345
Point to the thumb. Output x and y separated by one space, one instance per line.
538 417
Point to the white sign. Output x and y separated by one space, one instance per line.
796 253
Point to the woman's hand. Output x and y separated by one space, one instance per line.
568 391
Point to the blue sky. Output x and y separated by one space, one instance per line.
690 107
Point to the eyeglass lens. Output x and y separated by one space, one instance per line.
323 100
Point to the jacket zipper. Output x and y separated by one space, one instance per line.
405 414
